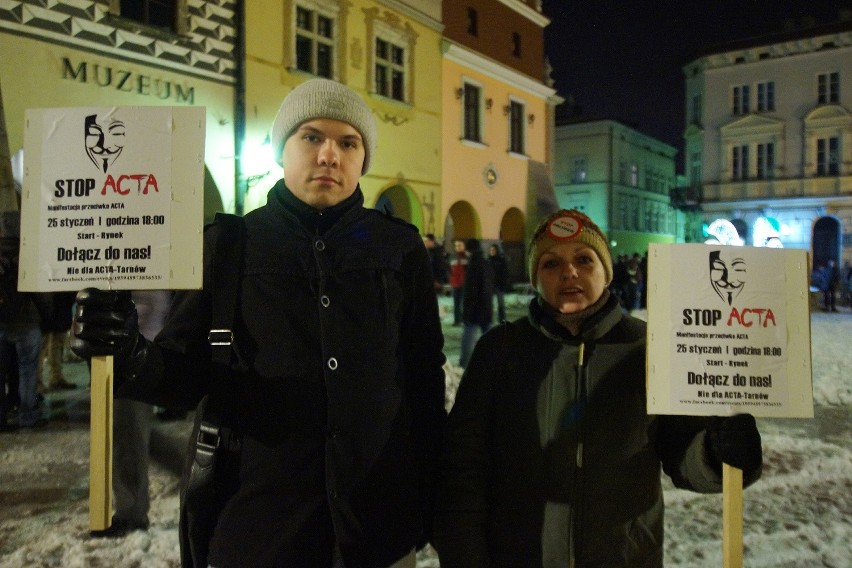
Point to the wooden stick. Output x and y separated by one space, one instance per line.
100 445
732 516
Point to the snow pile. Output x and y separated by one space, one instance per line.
797 515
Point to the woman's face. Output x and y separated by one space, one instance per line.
571 277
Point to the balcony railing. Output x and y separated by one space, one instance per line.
744 190
687 198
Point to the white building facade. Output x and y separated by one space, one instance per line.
768 140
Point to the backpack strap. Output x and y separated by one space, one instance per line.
227 272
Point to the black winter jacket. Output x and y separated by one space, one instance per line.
338 395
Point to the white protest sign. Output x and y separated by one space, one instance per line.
112 198
728 331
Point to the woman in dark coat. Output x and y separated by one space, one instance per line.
550 458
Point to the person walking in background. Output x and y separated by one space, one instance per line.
620 279
501 279
478 298
54 339
335 423
133 422
830 282
458 268
550 458
438 260
21 318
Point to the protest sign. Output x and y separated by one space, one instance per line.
112 198
728 331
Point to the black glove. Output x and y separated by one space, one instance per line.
735 441
105 323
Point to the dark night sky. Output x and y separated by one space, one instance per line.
622 59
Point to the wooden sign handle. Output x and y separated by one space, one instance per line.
100 444
732 516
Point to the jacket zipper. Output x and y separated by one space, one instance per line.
576 518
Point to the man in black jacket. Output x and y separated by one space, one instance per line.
337 388
477 305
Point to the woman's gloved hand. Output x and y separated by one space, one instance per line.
734 440
106 323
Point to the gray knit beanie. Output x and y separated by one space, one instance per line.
323 98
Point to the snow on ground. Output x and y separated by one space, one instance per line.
798 515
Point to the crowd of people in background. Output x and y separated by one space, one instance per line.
832 281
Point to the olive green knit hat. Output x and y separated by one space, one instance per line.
563 226
324 98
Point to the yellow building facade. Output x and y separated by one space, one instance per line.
358 43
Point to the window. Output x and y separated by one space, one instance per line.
741 99
828 156
314 42
695 169
472 113
517 111
634 175
828 88
739 163
696 109
516 44
156 13
765 160
390 70
472 22
766 96
578 169
622 173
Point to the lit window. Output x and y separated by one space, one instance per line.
472 22
741 99
314 42
517 111
828 156
696 109
695 169
765 160
156 13
828 88
390 70
766 96
634 175
739 162
472 113
578 169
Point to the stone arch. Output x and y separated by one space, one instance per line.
401 202
512 239
462 222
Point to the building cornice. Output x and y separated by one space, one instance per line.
761 52
536 17
415 14
467 58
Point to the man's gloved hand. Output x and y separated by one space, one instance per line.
105 323
734 440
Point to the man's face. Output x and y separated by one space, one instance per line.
105 137
727 273
322 161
